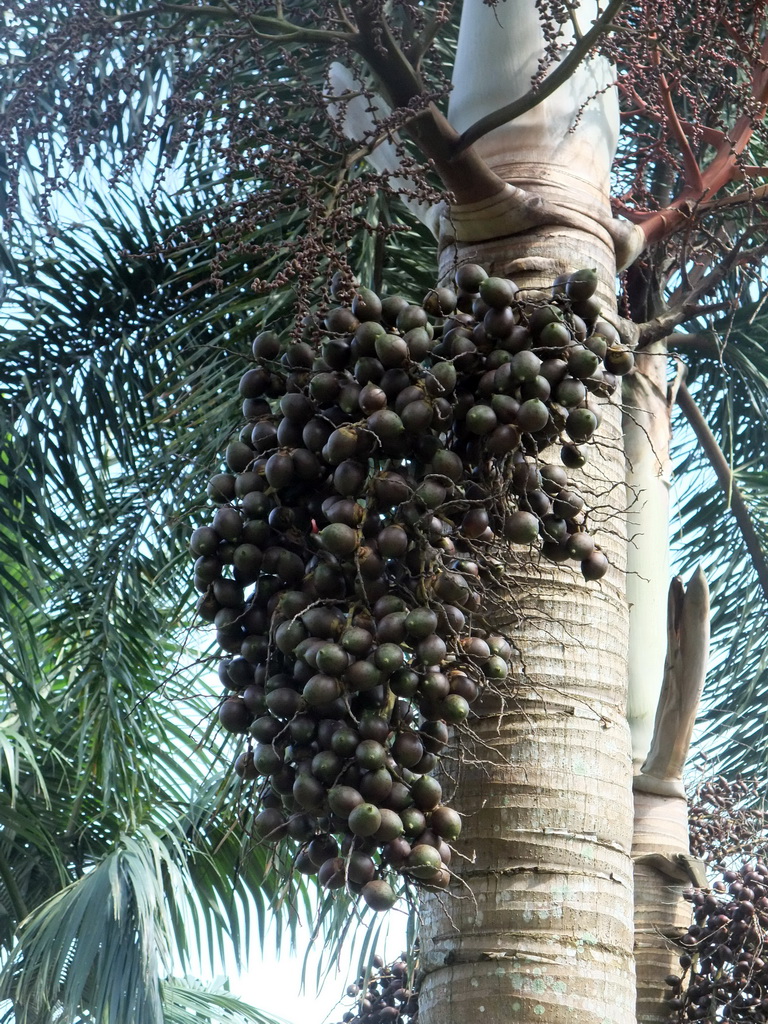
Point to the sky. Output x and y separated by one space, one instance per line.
272 982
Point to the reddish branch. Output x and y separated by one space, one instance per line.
701 184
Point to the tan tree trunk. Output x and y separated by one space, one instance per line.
543 929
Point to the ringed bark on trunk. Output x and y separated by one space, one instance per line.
542 928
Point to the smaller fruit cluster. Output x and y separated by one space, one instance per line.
724 955
385 459
386 996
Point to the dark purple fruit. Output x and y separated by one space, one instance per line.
234 715
474 523
407 749
411 317
221 488
445 822
269 825
332 873
342 800
321 689
469 277
595 566
572 456
393 542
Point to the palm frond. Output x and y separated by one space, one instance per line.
100 945
731 389
188 1001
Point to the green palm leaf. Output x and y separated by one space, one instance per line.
187 1001
731 388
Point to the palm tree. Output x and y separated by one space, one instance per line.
276 191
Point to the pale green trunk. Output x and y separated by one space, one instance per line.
647 437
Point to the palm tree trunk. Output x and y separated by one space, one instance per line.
543 926
544 931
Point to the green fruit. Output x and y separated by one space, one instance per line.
581 424
391 826
356 641
331 659
533 415
619 360
338 539
404 683
370 755
364 820
421 623
426 792
411 317
469 277
496 668
497 292
481 419
543 315
525 365
413 821
582 284
555 335
454 709
440 301
423 861
582 363
391 350
389 658
366 305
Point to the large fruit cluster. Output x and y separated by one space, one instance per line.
387 995
724 958
724 972
386 456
